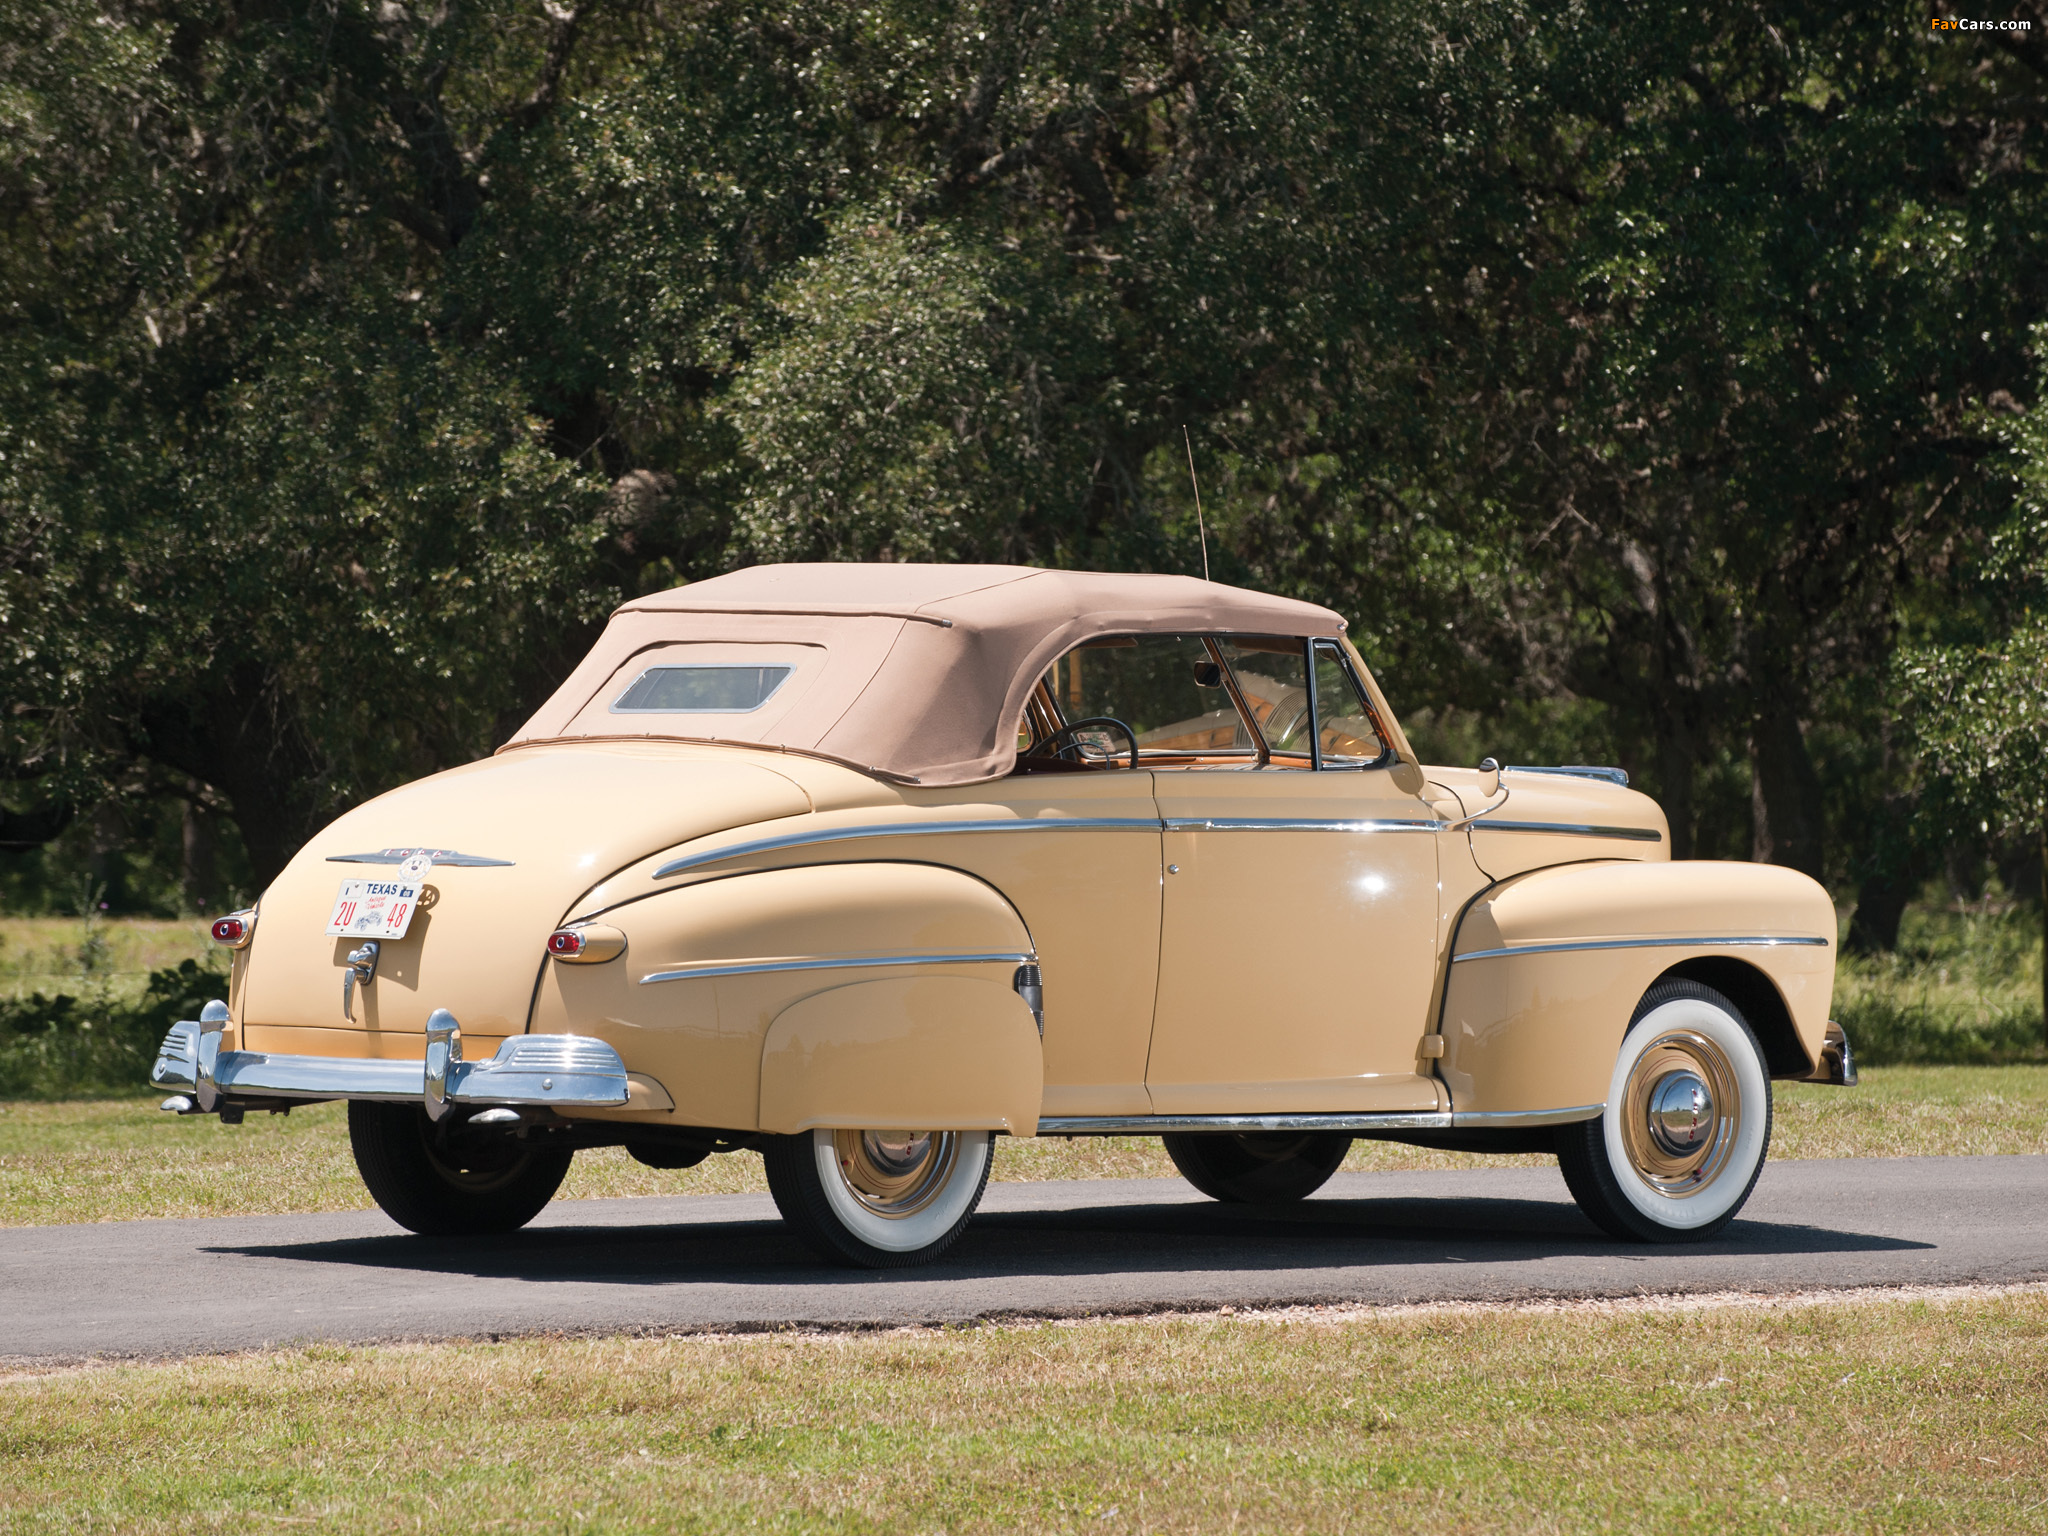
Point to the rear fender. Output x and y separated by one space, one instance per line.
914 1053
871 995
1547 969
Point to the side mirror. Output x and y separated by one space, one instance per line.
1208 674
1489 777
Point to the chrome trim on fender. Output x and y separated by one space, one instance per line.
1504 1119
1756 940
906 829
1568 829
1617 776
832 963
1296 824
1153 1125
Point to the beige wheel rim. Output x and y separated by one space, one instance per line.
1681 1113
895 1174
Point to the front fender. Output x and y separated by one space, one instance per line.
1547 968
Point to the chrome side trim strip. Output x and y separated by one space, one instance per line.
1296 824
1153 1125
1766 941
1420 1120
833 963
906 829
1505 1119
1627 834
1575 771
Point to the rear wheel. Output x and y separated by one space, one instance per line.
1257 1167
446 1179
1682 1140
879 1199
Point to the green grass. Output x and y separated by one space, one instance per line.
1964 985
94 957
1889 1416
123 1160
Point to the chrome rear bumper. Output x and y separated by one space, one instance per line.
556 1071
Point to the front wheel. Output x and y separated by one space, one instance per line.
448 1180
1682 1140
878 1199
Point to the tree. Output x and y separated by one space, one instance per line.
1615 369
1982 705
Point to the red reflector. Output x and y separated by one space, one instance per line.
230 930
565 941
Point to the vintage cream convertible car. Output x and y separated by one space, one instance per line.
860 866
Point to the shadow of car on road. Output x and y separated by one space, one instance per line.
1319 1234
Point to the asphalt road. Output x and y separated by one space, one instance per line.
153 1288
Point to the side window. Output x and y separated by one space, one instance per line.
1169 689
1273 678
1344 726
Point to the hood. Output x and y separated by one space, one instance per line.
556 819
1546 817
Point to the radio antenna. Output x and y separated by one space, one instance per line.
1200 529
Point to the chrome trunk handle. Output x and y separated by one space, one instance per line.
362 967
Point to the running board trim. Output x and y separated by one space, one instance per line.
1418 1120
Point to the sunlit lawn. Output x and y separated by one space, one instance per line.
1882 1416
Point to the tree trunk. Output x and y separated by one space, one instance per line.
2044 933
237 740
198 853
1675 769
1881 899
1790 824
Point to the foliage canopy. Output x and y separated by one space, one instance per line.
1631 376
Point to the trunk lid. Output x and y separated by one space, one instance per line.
562 817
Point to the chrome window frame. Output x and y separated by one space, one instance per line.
1336 648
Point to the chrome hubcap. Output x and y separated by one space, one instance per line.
1681 1113
896 1173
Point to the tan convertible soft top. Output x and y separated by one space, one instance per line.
914 672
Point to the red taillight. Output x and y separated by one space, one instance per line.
234 929
565 943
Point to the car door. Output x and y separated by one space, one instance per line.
1299 911
1085 879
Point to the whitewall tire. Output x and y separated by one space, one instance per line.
1676 1152
879 1199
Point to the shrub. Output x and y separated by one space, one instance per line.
68 1047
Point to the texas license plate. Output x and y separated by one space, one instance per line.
374 909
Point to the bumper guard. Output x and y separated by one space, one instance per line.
555 1071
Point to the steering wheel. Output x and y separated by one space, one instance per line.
1069 736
